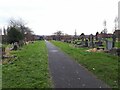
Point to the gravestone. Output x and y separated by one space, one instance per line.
115 51
86 43
15 46
91 41
109 45
114 40
100 39
3 51
82 43
99 43
78 43
82 37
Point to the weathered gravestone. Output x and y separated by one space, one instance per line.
91 41
15 46
78 43
109 45
82 43
99 43
86 43
99 39
115 51
114 40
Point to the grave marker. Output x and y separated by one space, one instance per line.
86 43
114 40
109 45
91 40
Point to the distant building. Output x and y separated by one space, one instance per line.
66 37
50 37
29 37
104 35
38 37
87 36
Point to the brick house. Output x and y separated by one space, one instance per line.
103 35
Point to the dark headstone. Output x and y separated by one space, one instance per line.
99 43
86 43
114 40
115 51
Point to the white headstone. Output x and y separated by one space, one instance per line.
109 45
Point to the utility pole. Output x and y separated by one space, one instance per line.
116 21
105 28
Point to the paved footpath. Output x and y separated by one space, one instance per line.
66 73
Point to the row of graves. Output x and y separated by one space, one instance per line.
96 44
6 51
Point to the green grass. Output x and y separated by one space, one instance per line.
105 65
117 44
29 69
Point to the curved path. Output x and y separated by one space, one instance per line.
66 73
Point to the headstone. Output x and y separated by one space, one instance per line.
115 51
91 41
114 40
100 39
99 43
86 43
109 45
78 43
15 46
82 37
82 43
7 51
3 51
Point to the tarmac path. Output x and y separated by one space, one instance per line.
66 73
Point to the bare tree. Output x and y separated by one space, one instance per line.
20 25
20 22
58 35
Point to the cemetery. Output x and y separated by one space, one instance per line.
98 62
28 69
59 60
108 43
95 52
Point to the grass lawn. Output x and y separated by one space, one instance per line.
117 44
29 69
103 65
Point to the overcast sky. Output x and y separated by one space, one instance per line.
45 17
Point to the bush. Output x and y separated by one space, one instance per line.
14 35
